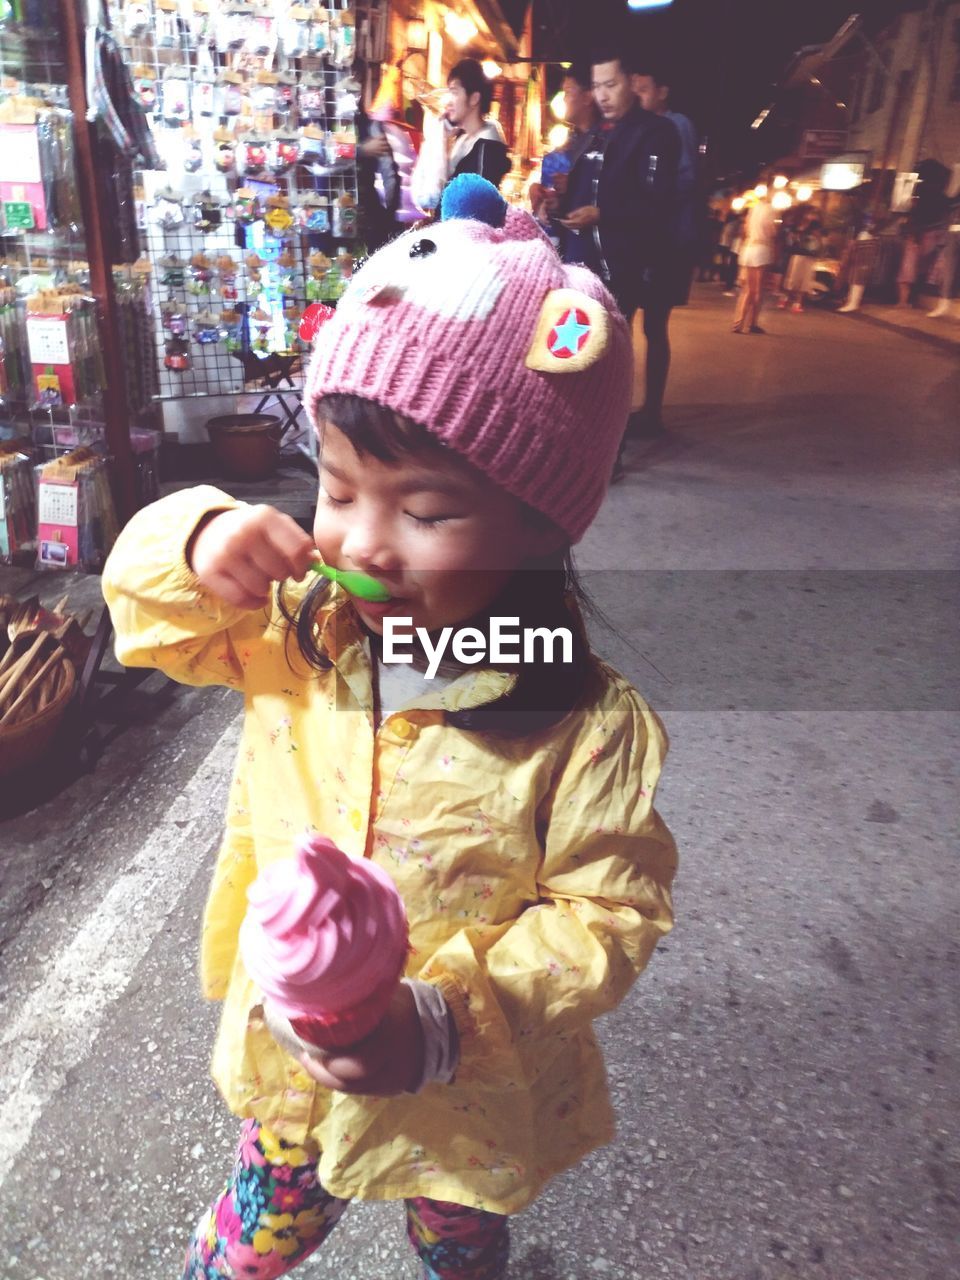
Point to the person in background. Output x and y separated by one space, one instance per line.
758 250
651 84
479 146
731 237
924 229
806 247
548 197
628 176
709 259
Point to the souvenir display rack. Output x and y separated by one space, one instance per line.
253 111
42 242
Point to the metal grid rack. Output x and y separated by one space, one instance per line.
193 127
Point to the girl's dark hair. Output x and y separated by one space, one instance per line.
545 593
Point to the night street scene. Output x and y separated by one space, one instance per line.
479 677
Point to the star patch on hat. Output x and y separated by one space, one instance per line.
572 333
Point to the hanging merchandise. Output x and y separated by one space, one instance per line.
145 87
167 209
228 95
254 109
192 150
166 30
76 518
175 95
294 31
18 504
224 151
177 355
62 342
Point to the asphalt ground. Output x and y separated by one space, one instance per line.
780 576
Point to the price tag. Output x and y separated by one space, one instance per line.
47 337
57 504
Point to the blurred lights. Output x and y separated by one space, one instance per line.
760 118
637 5
557 137
760 190
558 105
491 69
779 182
459 28
737 203
416 35
804 192
781 200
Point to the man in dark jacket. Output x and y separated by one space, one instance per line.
622 196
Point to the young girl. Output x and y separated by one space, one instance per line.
470 394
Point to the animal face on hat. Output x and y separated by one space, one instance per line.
463 268
474 328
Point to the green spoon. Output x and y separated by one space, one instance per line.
357 584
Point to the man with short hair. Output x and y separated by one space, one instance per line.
651 84
480 146
622 193
548 198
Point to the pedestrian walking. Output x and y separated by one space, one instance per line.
757 252
469 395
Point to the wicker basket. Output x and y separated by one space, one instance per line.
24 742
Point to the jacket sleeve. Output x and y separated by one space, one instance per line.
518 990
163 617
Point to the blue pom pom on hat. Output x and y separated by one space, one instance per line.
474 198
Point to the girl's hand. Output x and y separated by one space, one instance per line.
238 554
388 1061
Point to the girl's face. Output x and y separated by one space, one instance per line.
442 538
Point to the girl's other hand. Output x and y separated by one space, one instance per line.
388 1061
238 554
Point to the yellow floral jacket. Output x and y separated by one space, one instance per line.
536 875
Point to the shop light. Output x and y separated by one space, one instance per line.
557 137
460 28
558 105
637 5
491 69
781 200
760 190
779 182
737 203
416 35
804 192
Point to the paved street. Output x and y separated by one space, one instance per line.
779 579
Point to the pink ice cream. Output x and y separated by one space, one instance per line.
325 940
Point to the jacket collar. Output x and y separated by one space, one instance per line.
344 641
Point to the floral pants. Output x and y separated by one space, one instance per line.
273 1213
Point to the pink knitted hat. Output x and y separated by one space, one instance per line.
474 328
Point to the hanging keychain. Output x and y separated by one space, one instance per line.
294 31
224 151
175 95
192 150
166 28
145 87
